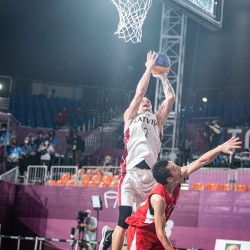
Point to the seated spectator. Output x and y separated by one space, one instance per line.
12 154
79 113
59 121
62 118
65 114
107 163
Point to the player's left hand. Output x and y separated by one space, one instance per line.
232 143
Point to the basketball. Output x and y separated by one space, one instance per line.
162 64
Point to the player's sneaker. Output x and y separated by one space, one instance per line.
106 238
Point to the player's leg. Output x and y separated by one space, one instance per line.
125 197
121 227
106 238
138 238
143 188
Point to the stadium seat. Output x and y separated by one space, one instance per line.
116 178
113 184
70 183
241 188
102 184
212 186
198 186
65 178
96 178
223 187
106 179
85 178
92 184
51 183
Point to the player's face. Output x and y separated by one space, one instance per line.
233 247
175 171
145 105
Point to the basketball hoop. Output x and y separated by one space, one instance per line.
132 14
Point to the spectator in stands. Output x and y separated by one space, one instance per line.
147 227
245 158
4 141
45 150
216 138
65 114
79 113
4 135
39 141
80 116
24 159
107 163
59 121
54 142
143 131
90 227
51 94
62 118
33 159
40 138
12 154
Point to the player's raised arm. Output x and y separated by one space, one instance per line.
141 88
208 157
166 105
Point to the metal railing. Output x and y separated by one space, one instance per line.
11 175
36 175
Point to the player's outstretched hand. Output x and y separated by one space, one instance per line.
151 58
232 143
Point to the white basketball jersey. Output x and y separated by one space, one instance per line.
142 141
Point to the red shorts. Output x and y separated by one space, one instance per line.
140 239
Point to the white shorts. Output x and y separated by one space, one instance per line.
135 187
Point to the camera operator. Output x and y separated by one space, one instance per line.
77 145
216 139
90 227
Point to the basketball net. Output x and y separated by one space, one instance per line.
132 14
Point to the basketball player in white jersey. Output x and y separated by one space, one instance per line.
142 137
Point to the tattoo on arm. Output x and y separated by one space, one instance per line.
167 88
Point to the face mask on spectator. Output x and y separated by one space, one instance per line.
26 141
40 136
46 143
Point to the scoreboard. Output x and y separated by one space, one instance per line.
208 13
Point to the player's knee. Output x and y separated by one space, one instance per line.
124 212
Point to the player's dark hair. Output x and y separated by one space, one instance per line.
160 172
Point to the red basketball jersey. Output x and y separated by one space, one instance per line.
143 218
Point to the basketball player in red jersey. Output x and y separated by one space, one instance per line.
142 138
147 227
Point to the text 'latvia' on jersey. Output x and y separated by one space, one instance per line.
142 140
